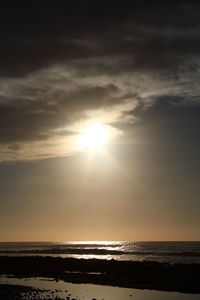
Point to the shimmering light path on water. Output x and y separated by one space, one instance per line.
164 252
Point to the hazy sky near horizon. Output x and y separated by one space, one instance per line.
134 69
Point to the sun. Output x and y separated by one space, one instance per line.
94 136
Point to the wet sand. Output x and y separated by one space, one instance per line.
143 275
47 288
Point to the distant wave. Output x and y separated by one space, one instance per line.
95 251
65 251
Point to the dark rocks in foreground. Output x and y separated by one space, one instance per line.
19 292
144 275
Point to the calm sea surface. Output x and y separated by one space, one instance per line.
170 252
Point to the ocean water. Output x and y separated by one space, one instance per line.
164 252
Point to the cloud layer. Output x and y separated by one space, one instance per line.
76 64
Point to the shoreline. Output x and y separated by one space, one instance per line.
182 278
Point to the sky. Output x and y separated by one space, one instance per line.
133 69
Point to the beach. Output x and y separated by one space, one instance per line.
180 278
100 270
43 288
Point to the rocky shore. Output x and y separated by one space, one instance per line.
143 275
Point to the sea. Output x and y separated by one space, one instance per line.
163 252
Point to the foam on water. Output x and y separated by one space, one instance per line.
170 252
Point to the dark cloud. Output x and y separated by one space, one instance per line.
58 62
151 33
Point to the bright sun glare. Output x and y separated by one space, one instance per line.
94 136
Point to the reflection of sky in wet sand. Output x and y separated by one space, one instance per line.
90 291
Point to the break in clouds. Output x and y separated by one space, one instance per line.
57 76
